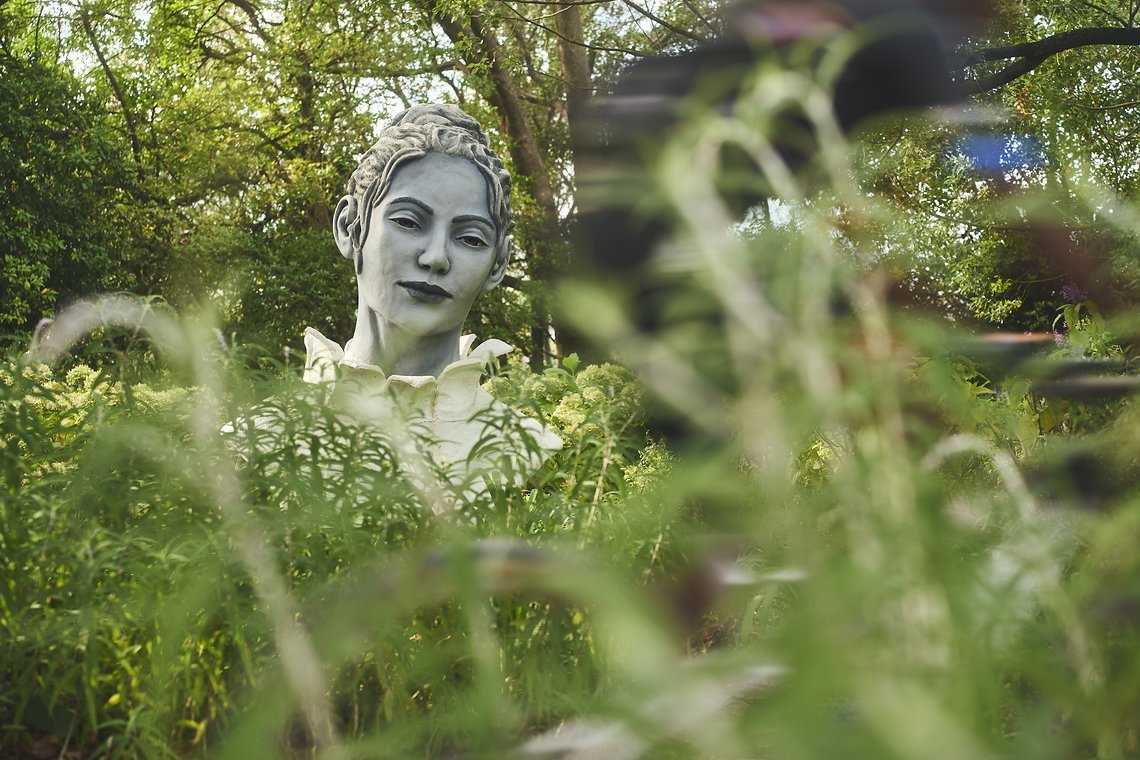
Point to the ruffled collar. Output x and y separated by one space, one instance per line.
323 356
448 412
453 396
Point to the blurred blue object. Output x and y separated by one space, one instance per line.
992 152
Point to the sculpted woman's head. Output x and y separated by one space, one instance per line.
426 219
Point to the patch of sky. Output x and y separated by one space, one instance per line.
771 213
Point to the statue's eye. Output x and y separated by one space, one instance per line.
474 241
407 222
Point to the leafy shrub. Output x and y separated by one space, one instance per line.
875 544
133 627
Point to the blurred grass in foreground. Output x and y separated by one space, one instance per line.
851 564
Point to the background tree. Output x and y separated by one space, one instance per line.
239 121
218 134
63 176
1061 78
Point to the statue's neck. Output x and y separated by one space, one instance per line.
376 341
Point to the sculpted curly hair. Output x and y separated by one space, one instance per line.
420 130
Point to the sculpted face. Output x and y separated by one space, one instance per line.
430 248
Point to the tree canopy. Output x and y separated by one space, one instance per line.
193 150
64 174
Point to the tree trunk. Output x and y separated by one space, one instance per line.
574 57
318 216
478 44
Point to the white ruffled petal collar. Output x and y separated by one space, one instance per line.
324 356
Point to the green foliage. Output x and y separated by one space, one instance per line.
123 592
270 287
869 546
63 174
853 551
1087 333
996 247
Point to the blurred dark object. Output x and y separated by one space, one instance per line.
901 57
1083 473
902 62
1002 355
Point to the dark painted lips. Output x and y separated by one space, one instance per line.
424 290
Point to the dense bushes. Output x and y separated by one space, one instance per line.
895 575
872 535
129 623
62 174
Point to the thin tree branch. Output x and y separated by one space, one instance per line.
549 30
254 17
124 104
524 48
200 29
209 54
1105 11
662 22
700 16
403 96
266 138
1002 77
460 98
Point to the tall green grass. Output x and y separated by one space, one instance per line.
867 549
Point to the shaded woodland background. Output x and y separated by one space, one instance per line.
191 150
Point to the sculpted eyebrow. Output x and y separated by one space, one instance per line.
473 218
415 202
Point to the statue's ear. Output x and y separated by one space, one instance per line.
499 268
343 219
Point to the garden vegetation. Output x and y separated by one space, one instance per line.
868 528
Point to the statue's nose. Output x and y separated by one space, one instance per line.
434 255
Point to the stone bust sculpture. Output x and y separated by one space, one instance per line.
426 221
